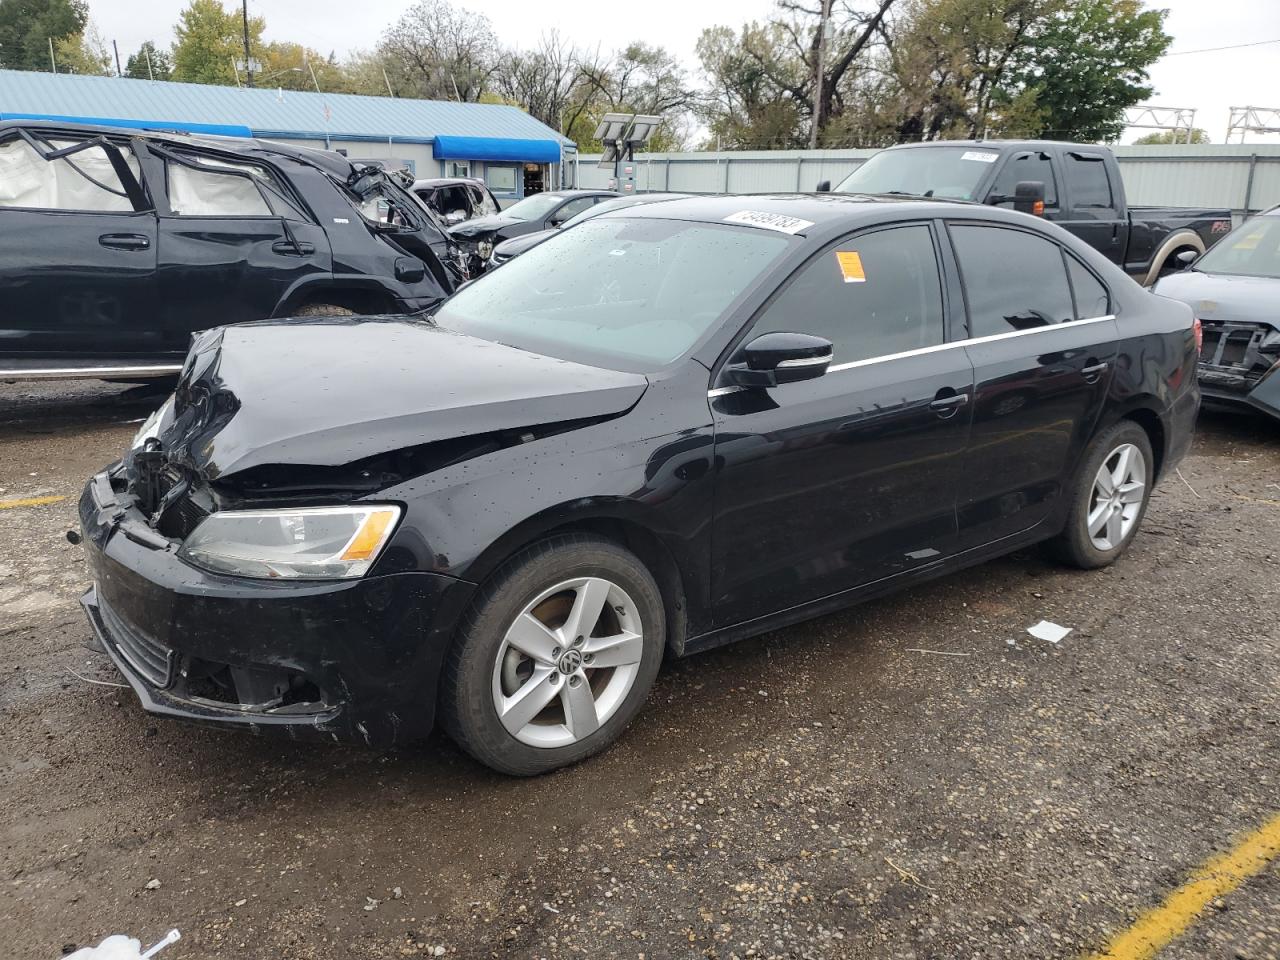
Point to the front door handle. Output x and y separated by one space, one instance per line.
125 241
1094 371
947 406
291 249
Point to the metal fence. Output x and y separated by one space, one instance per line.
1242 177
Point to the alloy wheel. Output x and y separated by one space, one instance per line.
567 662
1116 499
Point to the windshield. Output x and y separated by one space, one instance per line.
1250 250
950 172
633 294
533 208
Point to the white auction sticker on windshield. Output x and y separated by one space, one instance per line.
770 221
980 155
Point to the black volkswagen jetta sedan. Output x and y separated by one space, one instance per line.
674 426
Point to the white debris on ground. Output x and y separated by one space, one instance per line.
120 947
1047 630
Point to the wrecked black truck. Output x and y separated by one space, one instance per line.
117 244
1234 290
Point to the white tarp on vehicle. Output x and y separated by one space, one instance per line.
28 180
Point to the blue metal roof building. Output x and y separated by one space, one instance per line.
504 145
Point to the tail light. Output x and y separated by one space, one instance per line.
1198 329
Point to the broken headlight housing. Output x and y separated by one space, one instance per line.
306 543
485 249
153 424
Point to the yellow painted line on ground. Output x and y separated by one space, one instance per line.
29 502
1157 928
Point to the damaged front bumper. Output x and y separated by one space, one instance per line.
1240 365
351 660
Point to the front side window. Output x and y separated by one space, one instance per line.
481 202
633 294
1090 186
83 181
1028 165
574 207
871 296
1013 280
452 199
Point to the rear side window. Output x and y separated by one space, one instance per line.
1013 280
1090 185
83 181
1092 298
1029 165
873 295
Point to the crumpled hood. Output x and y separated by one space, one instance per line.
1222 297
481 226
329 391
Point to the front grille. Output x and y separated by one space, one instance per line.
151 658
1234 351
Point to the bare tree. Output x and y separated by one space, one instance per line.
441 53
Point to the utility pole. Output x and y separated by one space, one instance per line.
248 62
152 74
52 62
824 34
119 72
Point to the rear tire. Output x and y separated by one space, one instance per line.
1109 497
324 310
555 657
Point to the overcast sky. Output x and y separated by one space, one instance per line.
1209 82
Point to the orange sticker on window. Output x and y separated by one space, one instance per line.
851 266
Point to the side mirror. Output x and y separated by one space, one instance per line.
1187 258
824 186
1028 197
409 270
775 358
455 217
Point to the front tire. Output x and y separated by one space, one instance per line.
1109 497
555 657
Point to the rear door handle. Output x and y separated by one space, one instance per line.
291 249
947 406
125 241
1094 371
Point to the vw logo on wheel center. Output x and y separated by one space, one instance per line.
570 662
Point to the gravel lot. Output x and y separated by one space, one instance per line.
823 791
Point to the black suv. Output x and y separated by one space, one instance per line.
116 244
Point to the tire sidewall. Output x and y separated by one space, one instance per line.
471 715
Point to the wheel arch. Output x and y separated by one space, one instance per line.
360 296
1145 412
619 521
1173 244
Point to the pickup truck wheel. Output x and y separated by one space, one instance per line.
323 310
1108 497
555 657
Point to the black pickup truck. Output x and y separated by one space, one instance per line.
116 244
1075 185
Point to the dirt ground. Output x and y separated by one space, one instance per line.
826 791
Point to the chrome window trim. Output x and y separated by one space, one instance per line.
937 347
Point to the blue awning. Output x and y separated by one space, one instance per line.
495 148
213 129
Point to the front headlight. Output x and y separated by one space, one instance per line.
307 543
484 248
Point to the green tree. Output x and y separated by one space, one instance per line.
1088 62
210 41
27 27
150 62
84 53
1174 136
